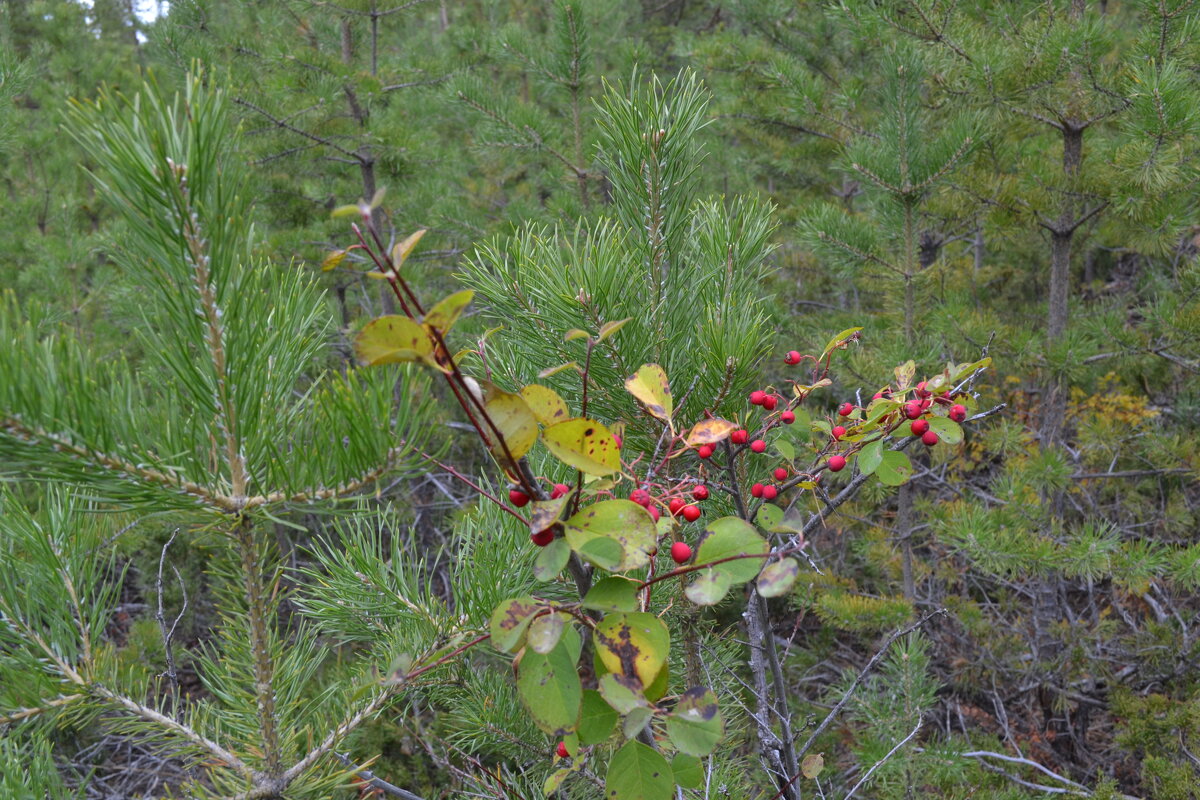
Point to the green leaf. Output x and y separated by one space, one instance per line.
545 631
597 719
584 444
622 692
635 721
949 431
695 726
623 522
870 457
635 644
551 560
509 621
731 536
688 770
649 385
894 468
549 685
613 594
447 310
964 371
638 772
769 516
785 449
709 587
838 340
777 577
545 404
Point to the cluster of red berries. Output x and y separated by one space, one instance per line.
914 410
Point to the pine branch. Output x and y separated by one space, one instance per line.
354 157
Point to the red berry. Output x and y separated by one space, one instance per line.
918 427
912 409
700 493
877 396
922 392
837 463
617 439
640 496
758 445
793 357
517 498
562 750
757 490
838 431
781 473
958 413
676 505
769 402
846 409
559 490
770 492
787 417
654 512
739 436
681 553
757 397
542 538
926 403
929 438
704 451
691 513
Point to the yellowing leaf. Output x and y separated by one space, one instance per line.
633 644
447 310
812 765
546 373
584 444
347 211
710 431
573 334
402 250
394 339
545 404
334 259
649 385
514 420
609 328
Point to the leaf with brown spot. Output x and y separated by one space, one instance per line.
624 522
513 419
394 339
622 692
710 431
639 772
649 385
550 687
545 404
696 727
544 513
634 644
509 622
777 577
584 444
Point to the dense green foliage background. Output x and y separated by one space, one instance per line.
1010 178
